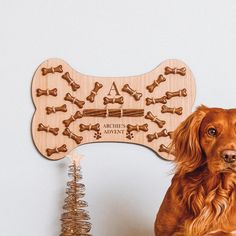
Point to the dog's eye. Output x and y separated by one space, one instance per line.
212 132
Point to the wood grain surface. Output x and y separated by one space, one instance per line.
109 109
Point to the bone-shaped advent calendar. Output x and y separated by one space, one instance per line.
74 109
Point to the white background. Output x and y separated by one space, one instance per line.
125 183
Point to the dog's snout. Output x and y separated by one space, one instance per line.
229 155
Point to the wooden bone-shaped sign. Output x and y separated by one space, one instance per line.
74 109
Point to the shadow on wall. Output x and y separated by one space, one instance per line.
130 222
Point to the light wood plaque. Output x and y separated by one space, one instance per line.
74 109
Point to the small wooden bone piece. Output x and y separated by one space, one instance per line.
154 119
150 101
94 92
168 150
51 151
46 92
95 127
137 128
180 71
74 100
52 70
48 129
155 83
70 81
73 136
163 133
56 109
74 117
179 93
126 88
166 109
119 100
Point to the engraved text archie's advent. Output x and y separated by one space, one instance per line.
114 128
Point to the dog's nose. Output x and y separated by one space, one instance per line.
229 156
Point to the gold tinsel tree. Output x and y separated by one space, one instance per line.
75 218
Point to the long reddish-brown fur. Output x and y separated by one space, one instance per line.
202 197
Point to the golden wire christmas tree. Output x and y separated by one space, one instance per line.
75 218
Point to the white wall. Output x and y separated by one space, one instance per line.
125 183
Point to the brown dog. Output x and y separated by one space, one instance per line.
202 197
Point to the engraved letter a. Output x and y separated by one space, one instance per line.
113 87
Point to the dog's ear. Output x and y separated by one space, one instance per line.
186 145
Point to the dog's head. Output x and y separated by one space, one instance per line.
207 138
